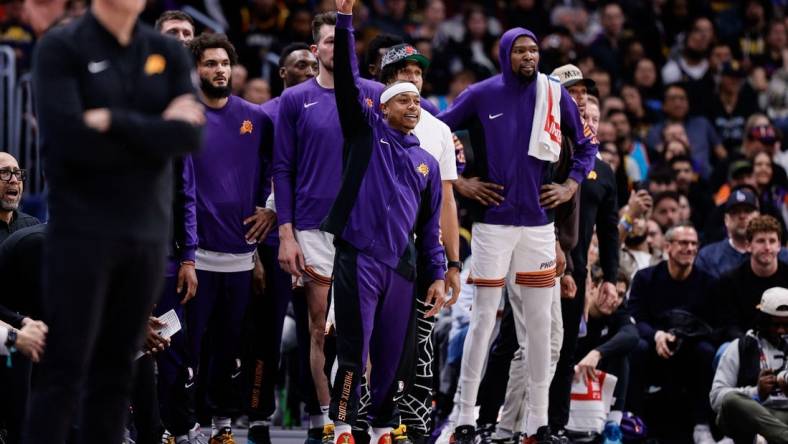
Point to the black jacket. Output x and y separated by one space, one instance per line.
116 184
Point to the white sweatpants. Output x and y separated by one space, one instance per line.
514 411
526 257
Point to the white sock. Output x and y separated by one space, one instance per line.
218 423
185 439
501 433
615 416
259 424
339 429
324 415
316 421
376 433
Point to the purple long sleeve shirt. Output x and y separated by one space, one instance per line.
503 107
184 215
228 175
270 110
308 155
392 187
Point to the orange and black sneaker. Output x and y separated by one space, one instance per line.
385 439
225 436
345 438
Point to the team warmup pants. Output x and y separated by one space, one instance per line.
373 310
176 376
98 294
415 405
526 257
266 316
219 306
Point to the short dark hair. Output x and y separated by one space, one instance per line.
204 42
289 49
166 16
380 41
666 195
661 174
389 72
764 224
325 18
680 158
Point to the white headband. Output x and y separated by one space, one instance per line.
398 88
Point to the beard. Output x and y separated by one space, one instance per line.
634 241
216 92
9 206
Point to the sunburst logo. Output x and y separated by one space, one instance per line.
423 169
592 175
155 64
246 127
370 103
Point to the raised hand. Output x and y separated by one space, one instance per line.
345 6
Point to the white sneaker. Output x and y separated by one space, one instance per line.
702 435
196 436
725 440
760 439
445 436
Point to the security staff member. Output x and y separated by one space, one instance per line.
115 103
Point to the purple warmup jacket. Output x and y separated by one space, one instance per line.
308 159
499 113
228 175
270 110
184 215
391 189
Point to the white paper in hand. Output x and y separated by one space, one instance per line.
172 326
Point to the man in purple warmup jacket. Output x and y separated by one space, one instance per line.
390 192
307 171
514 239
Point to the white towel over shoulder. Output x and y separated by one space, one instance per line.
545 143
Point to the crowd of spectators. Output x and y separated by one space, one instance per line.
692 112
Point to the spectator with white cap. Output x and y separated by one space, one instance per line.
749 389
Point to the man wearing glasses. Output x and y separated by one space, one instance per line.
663 357
11 187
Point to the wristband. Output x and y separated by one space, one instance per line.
455 264
10 340
626 222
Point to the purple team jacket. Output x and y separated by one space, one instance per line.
391 189
184 215
308 154
503 107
